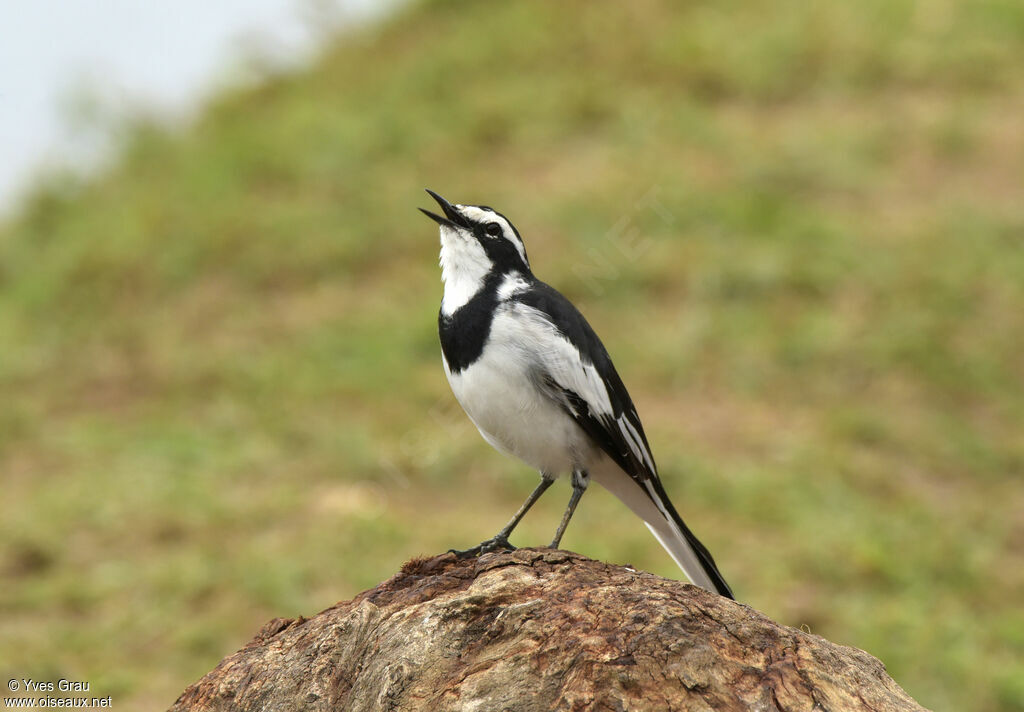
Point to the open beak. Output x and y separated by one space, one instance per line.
452 219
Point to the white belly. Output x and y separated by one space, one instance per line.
515 417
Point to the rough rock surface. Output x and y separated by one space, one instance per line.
537 629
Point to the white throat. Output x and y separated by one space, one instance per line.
464 267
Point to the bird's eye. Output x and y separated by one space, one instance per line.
493 229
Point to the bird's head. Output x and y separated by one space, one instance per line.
477 240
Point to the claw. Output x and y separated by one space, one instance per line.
496 543
466 553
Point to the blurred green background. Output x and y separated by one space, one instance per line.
799 228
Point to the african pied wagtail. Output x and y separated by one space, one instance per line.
538 384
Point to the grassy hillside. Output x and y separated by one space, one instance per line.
798 227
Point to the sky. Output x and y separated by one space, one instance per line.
69 68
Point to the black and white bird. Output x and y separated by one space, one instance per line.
538 384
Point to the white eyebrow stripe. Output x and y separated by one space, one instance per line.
475 213
485 215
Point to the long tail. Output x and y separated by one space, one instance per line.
655 508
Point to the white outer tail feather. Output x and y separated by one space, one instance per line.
682 553
665 530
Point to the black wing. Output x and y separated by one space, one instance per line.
592 393
590 389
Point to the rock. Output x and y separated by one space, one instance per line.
538 629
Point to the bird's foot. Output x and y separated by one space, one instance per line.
498 542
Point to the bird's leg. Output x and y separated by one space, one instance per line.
580 480
500 540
